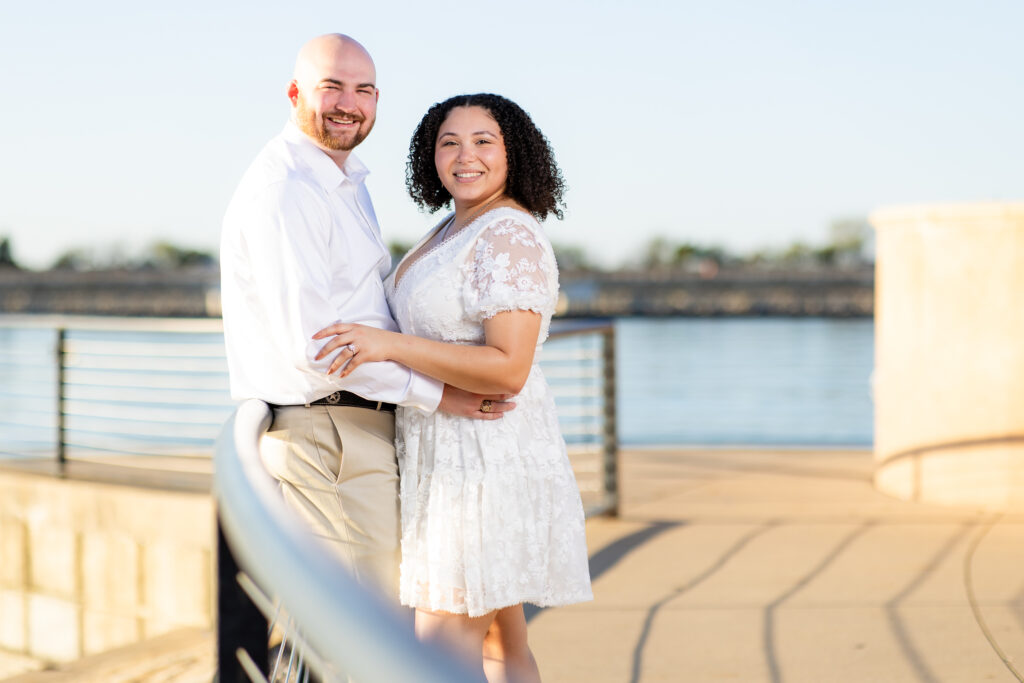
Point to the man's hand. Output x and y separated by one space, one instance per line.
467 404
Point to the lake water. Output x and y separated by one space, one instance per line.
722 381
761 381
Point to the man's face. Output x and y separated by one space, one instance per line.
337 107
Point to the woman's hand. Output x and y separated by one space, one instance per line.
467 404
358 343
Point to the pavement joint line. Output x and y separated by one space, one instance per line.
972 599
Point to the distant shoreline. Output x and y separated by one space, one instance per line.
740 292
195 292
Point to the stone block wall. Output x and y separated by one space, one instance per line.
86 567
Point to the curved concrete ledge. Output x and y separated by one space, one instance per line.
988 473
949 353
979 214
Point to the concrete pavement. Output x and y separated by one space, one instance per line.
775 566
751 566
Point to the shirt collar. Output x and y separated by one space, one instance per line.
324 170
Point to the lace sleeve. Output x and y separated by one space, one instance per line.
510 267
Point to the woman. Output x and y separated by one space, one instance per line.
491 514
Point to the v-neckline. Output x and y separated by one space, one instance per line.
417 253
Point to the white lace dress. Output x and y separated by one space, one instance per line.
491 514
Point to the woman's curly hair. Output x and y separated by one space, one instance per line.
534 180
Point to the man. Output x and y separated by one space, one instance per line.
301 249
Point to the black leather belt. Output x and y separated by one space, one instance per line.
348 399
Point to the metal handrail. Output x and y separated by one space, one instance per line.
347 627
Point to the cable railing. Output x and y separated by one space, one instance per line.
114 390
579 364
153 393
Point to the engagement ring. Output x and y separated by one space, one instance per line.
485 406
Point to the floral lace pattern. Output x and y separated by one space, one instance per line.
491 513
507 270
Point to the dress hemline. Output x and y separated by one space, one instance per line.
544 604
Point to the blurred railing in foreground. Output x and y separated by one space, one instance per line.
153 393
329 624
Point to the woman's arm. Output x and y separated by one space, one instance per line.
499 366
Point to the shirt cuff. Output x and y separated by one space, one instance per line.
424 392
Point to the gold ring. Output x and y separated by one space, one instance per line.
485 406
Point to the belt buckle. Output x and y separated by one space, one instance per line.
333 399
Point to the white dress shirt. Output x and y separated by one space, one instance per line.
300 250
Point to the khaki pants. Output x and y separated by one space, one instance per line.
337 469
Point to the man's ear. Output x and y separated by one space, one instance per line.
293 93
378 93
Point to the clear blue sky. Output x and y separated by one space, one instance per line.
743 124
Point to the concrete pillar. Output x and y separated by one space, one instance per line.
949 354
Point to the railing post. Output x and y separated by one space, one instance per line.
610 454
61 454
240 624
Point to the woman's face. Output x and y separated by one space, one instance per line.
470 156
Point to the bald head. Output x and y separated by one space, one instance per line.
334 93
328 51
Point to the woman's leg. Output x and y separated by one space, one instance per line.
461 634
507 656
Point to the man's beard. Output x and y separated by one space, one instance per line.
306 119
